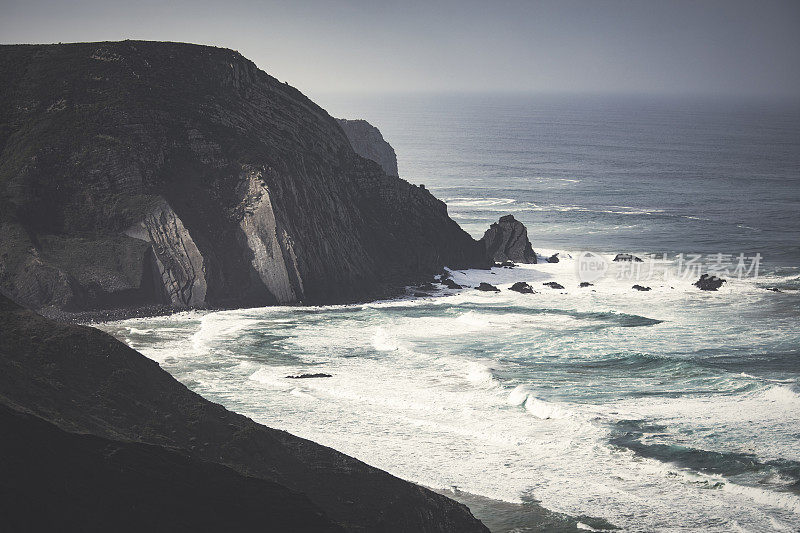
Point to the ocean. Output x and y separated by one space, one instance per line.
671 409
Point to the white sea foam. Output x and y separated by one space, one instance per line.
478 202
543 409
481 376
518 395
420 385
382 341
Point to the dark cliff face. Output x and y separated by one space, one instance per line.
368 142
138 173
145 424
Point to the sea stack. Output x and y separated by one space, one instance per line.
507 240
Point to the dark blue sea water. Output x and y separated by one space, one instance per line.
677 175
667 410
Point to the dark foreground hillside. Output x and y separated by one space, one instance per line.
137 174
85 417
51 480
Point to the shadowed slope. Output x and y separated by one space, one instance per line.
83 380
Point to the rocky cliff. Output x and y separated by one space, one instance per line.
142 173
90 420
368 142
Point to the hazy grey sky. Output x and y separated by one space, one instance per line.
727 47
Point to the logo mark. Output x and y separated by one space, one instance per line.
591 266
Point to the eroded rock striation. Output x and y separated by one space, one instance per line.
89 400
368 142
507 240
144 173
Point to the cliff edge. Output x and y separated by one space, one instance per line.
368 142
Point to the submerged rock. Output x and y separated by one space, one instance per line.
709 283
553 285
521 287
507 240
641 288
307 376
450 284
627 257
553 258
487 287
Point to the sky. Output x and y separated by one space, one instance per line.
717 47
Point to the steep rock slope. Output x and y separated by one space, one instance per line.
85 381
52 480
135 173
368 142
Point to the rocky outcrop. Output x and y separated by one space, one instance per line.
487 287
641 288
368 142
627 257
107 415
183 176
553 285
522 288
709 283
450 284
553 259
507 240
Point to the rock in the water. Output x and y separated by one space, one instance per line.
521 287
553 285
641 288
709 283
450 284
184 176
487 287
585 284
505 264
553 258
368 142
307 376
507 240
627 257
